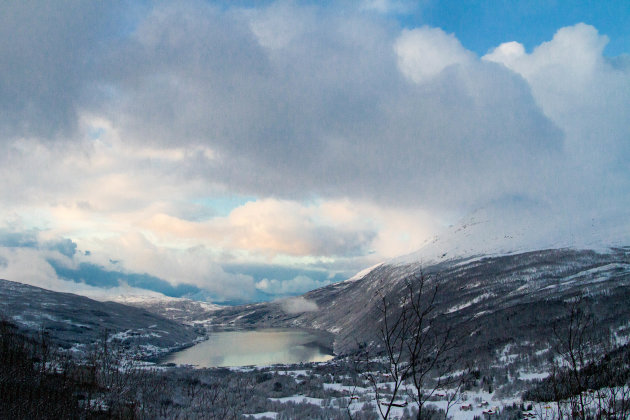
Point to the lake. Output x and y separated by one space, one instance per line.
256 347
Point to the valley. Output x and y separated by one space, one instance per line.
505 315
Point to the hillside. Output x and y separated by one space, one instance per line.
176 309
74 321
499 301
504 307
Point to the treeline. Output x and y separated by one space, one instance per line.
39 381
30 385
599 389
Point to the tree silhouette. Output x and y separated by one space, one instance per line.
418 348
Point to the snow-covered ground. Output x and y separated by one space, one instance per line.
299 399
356 397
265 415
528 376
363 273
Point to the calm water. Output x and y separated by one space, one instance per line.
255 347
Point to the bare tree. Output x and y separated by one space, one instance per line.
419 349
575 346
589 376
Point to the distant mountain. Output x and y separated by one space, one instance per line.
499 300
75 321
177 309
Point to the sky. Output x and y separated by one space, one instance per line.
238 151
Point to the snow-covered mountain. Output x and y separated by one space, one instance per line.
76 321
513 298
503 282
176 309
510 229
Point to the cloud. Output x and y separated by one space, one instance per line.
33 267
298 305
49 52
195 266
353 139
586 95
130 261
328 107
295 286
271 227
276 26
424 52
507 53
294 229
323 105
34 239
389 6
27 265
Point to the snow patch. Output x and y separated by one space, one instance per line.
469 303
363 273
297 399
532 376
265 415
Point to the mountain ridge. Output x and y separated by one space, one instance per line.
489 289
74 322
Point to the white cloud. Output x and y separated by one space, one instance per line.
199 105
295 286
565 66
276 26
27 266
269 227
326 112
586 95
298 305
198 265
389 6
507 53
424 52
31 266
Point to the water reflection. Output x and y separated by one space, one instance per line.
255 347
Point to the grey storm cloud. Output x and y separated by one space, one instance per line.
323 108
11 238
294 101
49 51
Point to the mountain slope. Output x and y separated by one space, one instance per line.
73 320
176 309
497 299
